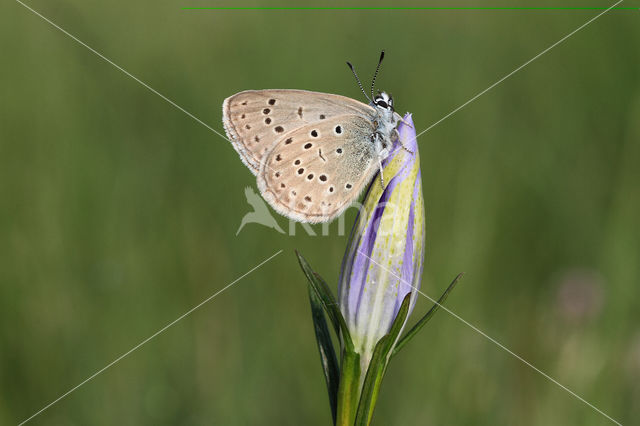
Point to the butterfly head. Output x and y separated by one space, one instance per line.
383 100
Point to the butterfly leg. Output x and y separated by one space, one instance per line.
405 122
401 143
407 149
382 149
381 172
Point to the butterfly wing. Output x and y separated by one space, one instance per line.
312 173
255 119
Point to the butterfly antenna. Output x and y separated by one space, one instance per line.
358 80
373 82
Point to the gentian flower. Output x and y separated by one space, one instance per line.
384 258
378 288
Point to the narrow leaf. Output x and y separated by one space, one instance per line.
328 301
418 326
372 382
327 352
348 389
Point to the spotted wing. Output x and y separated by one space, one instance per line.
314 172
255 119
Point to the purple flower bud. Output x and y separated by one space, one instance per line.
385 254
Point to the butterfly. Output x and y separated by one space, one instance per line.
312 153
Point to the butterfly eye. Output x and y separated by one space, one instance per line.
382 104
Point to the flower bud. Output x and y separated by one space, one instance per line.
385 254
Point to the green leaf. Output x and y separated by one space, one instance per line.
328 301
378 366
414 330
327 353
348 389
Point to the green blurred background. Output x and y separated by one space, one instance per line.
118 213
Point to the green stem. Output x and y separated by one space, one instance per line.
349 389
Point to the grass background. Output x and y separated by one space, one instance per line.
118 213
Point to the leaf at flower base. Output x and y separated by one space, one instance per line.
378 366
349 388
328 302
327 352
418 326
